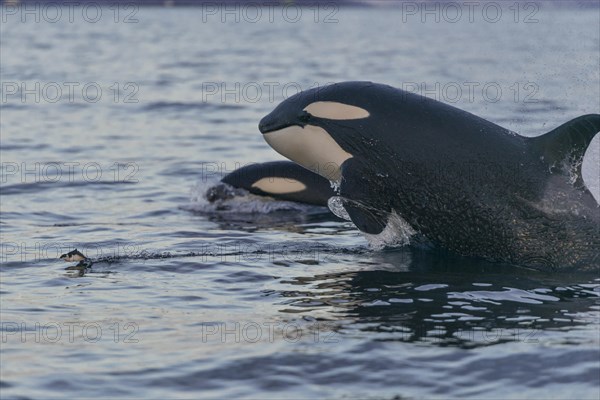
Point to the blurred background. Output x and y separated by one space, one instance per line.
115 117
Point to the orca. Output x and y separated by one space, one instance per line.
283 180
465 184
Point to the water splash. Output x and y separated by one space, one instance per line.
336 185
397 232
215 196
337 208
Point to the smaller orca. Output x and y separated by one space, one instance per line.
283 180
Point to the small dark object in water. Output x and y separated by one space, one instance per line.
75 255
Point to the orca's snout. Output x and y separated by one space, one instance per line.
274 122
271 123
264 125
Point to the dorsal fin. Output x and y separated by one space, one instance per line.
566 145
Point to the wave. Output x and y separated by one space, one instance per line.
191 106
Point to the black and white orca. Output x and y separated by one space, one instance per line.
283 180
464 183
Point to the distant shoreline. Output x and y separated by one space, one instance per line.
351 3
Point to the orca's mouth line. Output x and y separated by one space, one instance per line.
274 128
266 126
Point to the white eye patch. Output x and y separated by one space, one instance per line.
279 185
590 168
335 110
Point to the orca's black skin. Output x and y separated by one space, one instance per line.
468 185
318 189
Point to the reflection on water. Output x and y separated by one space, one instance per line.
461 303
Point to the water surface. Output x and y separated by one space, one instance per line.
266 299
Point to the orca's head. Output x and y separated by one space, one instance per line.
300 128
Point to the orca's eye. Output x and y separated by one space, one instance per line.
304 116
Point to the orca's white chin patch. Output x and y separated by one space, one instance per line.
311 147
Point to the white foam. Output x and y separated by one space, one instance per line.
337 208
241 202
397 232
